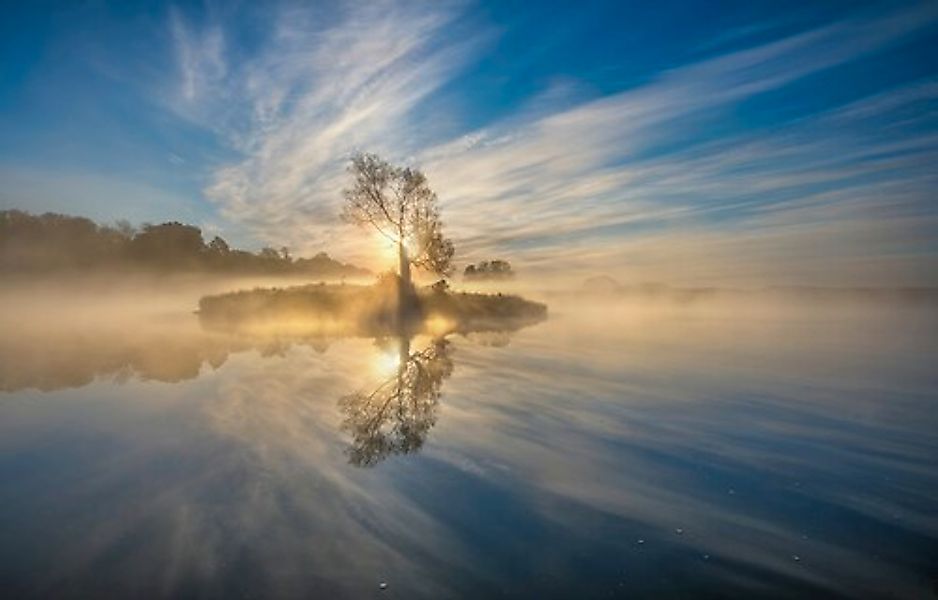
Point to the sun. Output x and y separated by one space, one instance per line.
386 362
385 251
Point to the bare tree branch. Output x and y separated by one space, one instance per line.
398 201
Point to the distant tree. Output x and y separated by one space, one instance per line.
169 244
112 242
399 204
489 269
268 253
218 254
124 227
219 246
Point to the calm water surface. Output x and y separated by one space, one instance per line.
607 452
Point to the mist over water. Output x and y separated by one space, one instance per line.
439 300
736 446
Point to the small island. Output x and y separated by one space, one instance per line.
329 310
397 203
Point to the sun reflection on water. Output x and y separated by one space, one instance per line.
387 361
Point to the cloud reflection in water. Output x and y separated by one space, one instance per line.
760 437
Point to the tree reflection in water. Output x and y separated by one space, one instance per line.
393 418
396 416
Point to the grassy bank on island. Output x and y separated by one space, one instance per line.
374 310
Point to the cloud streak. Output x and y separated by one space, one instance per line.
636 183
322 87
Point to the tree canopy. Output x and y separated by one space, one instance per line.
489 269
398 203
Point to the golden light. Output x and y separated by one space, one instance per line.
437 325
385 251
387 362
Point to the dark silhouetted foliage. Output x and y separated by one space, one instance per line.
489 269
170 245
53 243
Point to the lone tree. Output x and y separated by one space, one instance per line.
399 204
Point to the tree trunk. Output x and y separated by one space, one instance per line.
404 266
404 291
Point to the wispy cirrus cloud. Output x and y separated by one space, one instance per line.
635 183
323 86
825 198
200 56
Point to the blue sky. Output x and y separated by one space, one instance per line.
707 143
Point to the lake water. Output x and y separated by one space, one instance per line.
610 451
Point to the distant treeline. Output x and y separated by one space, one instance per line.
489 269
52 243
